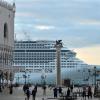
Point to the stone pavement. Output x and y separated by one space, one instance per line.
19 95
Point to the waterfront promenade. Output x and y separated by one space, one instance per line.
19 95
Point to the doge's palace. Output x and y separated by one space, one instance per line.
7 15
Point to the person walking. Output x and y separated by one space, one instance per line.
44 90
68 92
71 88
27 94
60 91
35 87
89 92
55 92
11 89
25 87
84 93
34 93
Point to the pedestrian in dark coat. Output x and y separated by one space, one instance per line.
55 92
68 92
25 87
60 90
11 89
71 88
89 92
44 90
34 93
28 94
84 93
35 88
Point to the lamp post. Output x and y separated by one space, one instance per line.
95 80
43 77
28 78
11 77
89 74
18 80
0 80
24 76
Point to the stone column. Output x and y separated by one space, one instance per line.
58 47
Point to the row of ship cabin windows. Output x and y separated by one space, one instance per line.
37 53
39 63
34 47
29 53
34 55
40 67
31 44
35 59
46 66
40 56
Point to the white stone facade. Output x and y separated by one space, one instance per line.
7 14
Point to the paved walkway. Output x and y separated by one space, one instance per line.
19 95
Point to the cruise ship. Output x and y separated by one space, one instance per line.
37 61
36 56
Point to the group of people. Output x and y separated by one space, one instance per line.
29 93
87 92
33 92
59 91
9 86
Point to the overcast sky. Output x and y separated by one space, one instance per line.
76 22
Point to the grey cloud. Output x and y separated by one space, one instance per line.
65 16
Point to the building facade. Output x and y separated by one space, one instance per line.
7 15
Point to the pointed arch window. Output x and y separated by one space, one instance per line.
5 30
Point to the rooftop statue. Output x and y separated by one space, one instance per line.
7 5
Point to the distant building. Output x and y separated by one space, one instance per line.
7 15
